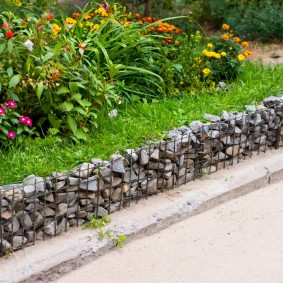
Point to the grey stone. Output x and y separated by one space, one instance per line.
53 228
48 212
38 182
117 163
143 157
196 126
73 209
24 219
87 194
116 195
33 207
222 85
59 176
220 156
151 187
175 134
155 155
185 130
185 178
4 202
92 184
250 108
233 150
18 242
61 209
212 118
272 101
6 215
130 176
131 155
13 227
59 185
85 171
97 162
73 181
156 165
75 222
49 197
29 191
224 115
81 214
214 134
167 175
62 197
98 200
106 174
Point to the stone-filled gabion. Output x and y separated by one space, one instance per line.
41 208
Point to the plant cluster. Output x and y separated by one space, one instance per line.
13 126
99 225
222 57
63 73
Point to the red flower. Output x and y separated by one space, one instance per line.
67 48
49 17
5 25
81 46
9 33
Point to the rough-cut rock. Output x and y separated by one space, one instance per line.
84 171
29 191
143 157
106 174
233 150
131 155
13 227
272 101
18 242
24 220
38 182
116 195
212 118
52 229
61 209
92 184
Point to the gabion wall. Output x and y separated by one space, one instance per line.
41 208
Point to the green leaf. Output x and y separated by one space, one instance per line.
12 95
68 106
81 135
73 87
54 121
84 102
48 56
63 89
80 110
72 123
14 81
2 47
10 46
39 90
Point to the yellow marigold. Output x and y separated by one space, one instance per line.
18 3
217 55
56 29
209 45
225 37
237 39
230 48
223 54
241 57
245 44
248 53
204 52
225 26
206 71
102 21
76 15
70 22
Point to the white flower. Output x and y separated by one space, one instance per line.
113 113
29 44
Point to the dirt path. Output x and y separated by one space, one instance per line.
267 53
239 241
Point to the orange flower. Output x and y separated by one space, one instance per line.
245 44
237 39
225 26
137 15
152 28
248 53
225 37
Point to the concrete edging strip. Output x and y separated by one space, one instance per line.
53 258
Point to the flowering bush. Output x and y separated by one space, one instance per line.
222 58
13 126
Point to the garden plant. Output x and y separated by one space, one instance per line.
72 81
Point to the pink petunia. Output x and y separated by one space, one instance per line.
11 135
2 111
5 25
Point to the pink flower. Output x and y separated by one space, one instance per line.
22 120
11 135
10 104
28 121
5 25
2 111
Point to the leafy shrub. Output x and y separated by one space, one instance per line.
222 58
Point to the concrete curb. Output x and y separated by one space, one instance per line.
51 259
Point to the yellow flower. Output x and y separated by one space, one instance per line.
248 53
204 52
56 29
18 3
70 22
94 28
181 82
102 21
223 54
209 45
245 44
230 48
206 71
217 55
225 26
241 57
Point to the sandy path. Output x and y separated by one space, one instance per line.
239 241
